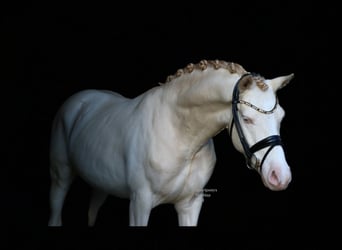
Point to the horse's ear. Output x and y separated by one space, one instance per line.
281 81
245 83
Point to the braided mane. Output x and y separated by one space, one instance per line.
232 67
204 64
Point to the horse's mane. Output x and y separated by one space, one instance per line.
204 64
232 67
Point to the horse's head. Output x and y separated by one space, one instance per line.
255 128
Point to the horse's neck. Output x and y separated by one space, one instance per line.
201 104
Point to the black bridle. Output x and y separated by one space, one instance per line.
271 141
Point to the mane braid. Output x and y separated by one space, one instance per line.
259 80
204 64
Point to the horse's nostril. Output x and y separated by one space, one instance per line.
277 178
274 178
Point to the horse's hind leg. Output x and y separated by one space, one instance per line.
97 199
61 179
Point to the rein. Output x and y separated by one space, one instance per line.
271 141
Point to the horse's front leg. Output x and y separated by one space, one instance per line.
140 208
188 210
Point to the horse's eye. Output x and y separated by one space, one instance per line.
247 120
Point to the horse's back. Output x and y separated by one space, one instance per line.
82 103
88 98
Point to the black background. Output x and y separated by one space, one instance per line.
51 51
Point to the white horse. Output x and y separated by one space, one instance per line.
158 148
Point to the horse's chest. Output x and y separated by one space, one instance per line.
183 177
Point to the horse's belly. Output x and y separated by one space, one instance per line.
101 168
106 179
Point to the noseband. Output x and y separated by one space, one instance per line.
271 141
